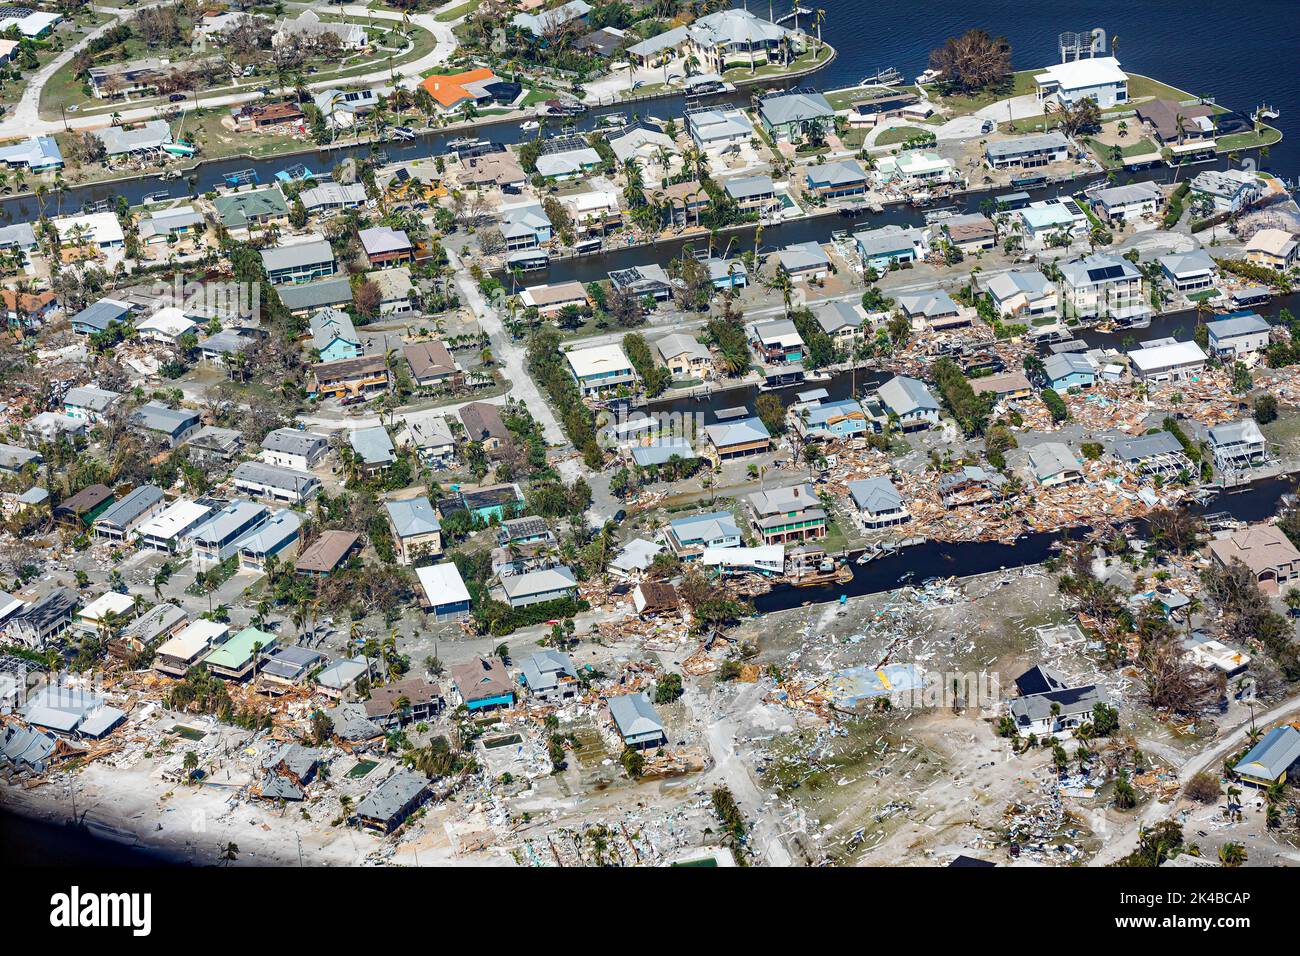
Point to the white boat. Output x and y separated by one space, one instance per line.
530 124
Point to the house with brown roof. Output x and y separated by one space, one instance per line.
483 684
343 378
399 703
1265 550
84 507
1005 385
684 203
1171 122
483 424
494 169
28 308
654 597
256 116
328 552
550 300
432 364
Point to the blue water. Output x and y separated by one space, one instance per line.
1241 53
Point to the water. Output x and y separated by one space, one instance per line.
1165 39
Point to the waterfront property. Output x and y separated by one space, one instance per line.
1096 78
690 537
1239 335
910 401
1190 272
1027 152
776 342
879 502
1028 296
1265 550
1120 204
1227 190
783 515
1103 286
796 115
1238 446
600 369
1273 249
738 439
1168 362
837 180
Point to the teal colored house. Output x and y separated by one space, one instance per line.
1069 370
842 419
334 336
501 502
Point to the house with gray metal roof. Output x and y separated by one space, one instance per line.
1238 445
294 448
299 263
44 620
537 587
637 722
549 675
98 316
738 439
846 177
910 401
1275 758
175 425
88 402
1056 713
387 806
311 296
1239 335
690 537
219 537
1128 202
373 448
1159 453
275 538
333 335
795 115
14 458
804 260
120 520
1052 463
878 501
416 530
752 192
1037 149
258 479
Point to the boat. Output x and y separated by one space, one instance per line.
921 198
530 124
886 77
835 574
614 120
161 196
461 142
403 133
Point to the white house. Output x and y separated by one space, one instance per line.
1238 336
1096 78
1167 362
600 369
1102 285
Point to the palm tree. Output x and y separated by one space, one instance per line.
1232 855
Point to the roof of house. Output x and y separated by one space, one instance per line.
326 551
599 360
392 796
443 584
1147 446
383 699
297 255
293 441
662 450
1248 324
88 396
428 358
1084 73
1052 458
744 431
236 209
481 418
904 395
706 527
1234 433
481 678
1276 753
275 476
1261 547
1071 701
1181 264
795 107
373 445
330 324
876 495
314 295
803 255
1050 141
543 670
381 239
558 578
237 652
130 506
411 517
634 715
1061 364
931 304
159 418
1167 356
844 172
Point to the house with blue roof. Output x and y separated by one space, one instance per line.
1275 758
832 420
890 245
373 448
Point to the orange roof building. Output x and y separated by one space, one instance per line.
451 92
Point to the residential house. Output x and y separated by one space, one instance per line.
219 537
1103 286
259 479
1027 152
782 515
372 448
776 342
647 282
311 297
550 675
80 510
1238 336
914 167
843 322
331 197
1066 370
1158 454
39 154
444 593
934 310
1190 272
483 424
879 502
548 22
837 180
551 300
796 115
1238 446
839 420
1097 78
429 433
1121 204
1007 386
415 528
89 403
120 520
237 658
346 378
890 245
165 327
333 335
403 701
176 656
1273 761
385 246
294 448
804 261
908 400
600 369
328 552
1055 713
690 537
969 233
752 193
483 684
43 621
98 316
255 207
1265 550
1273 249
717 130
738 438
174 425
1170 362
277 538
299 263
1052 463
1227 190
685 357
525 227
388 806
171 530
637 722
395 287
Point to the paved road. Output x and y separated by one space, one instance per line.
25 119
507 353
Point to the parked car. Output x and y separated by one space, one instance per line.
176 98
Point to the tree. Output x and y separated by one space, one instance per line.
1266 409
771 412
972 61
1083 116
1232 855
1203 788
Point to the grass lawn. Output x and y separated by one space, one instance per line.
455 13
899 134
809 59
1141 147
961 104
1143 87
1252 140
844 99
